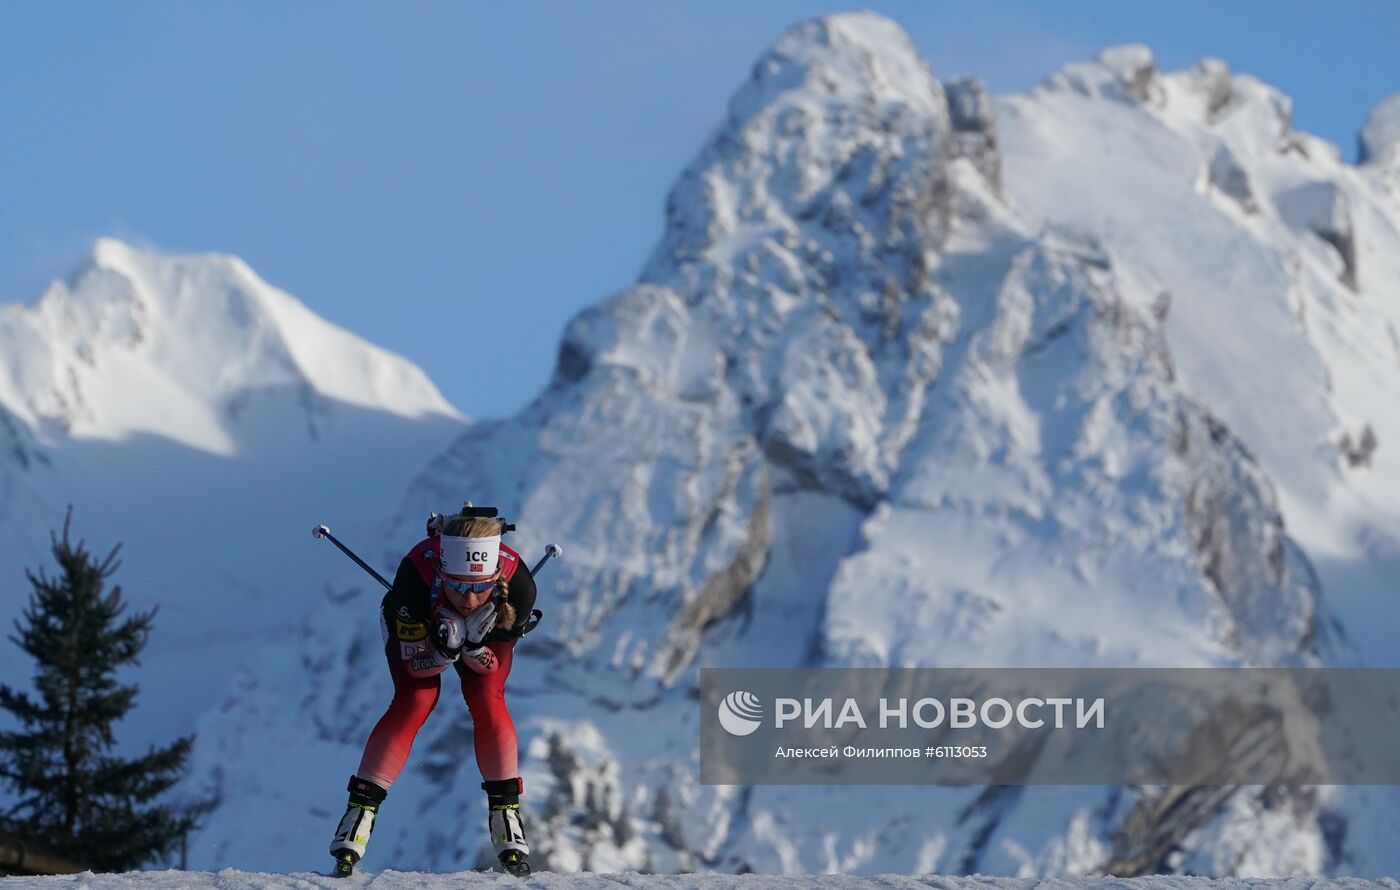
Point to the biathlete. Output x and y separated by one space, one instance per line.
460 599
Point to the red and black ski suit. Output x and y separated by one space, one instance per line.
416 669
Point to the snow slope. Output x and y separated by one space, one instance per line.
230 879
205 420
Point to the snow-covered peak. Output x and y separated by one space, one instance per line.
845 319
851 57
1380 137
140 342
1255 113
1280 260
841 131
1124 72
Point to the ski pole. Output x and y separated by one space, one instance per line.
536 616
321 531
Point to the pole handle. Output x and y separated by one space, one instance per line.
549 552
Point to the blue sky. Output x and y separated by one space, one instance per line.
418 172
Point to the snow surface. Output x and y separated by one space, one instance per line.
232 879
1099 375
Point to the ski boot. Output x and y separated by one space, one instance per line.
352 835
507 831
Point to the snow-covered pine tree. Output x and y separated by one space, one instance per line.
73 795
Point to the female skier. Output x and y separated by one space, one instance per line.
460 598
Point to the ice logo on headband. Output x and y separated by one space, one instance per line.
468 556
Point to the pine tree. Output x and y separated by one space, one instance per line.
74 796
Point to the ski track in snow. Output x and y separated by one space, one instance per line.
231 879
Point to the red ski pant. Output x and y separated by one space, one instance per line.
493 731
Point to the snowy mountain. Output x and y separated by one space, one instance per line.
205 420
1281 266
197 338
1097 375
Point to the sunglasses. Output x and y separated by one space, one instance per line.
465 587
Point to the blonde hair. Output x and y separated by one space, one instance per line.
460 525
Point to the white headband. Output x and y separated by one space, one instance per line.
468 556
